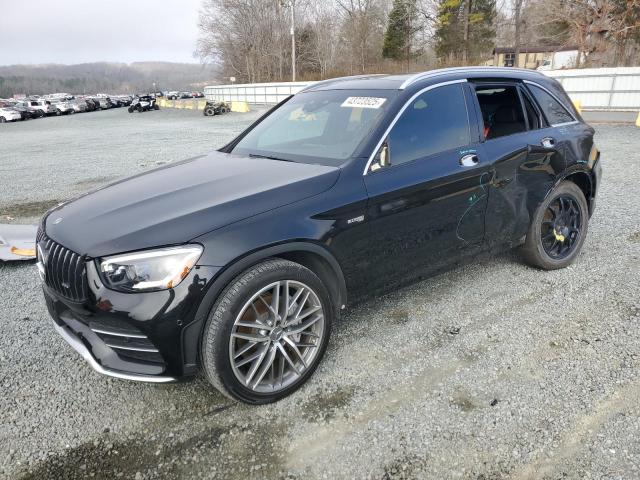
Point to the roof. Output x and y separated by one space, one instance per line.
536 49
401 82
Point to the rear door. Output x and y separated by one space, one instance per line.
524 158
427 207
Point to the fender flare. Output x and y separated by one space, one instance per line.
192 332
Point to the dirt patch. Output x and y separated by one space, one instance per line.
399 316
228 452
27 209
463 401
403 468
635 237
326 405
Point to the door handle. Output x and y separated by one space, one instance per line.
548 142
469 160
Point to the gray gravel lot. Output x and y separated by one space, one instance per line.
493 370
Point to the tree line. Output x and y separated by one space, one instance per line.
251 39
103 77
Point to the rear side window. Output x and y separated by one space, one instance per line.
434 122
552 109
501 111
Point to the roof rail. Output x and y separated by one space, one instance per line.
434 73
339 79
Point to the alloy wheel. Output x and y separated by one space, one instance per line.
560 228
276 336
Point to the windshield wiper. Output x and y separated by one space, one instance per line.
256 155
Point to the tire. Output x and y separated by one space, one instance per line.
567 238
156 107
3 120
58 113
209 112
130 110
241 297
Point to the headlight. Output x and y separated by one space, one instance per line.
149 270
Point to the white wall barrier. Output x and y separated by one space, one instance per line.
254 93
614 89
595 89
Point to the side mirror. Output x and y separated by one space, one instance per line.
384 158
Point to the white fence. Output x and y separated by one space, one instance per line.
602 88
595 88
265 93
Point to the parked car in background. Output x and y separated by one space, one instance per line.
43 105
173 95
78 105
143 103
91 103
25 114
62 107
104 103
185 95
197 94
35 112
9 115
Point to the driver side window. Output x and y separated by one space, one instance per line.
436 121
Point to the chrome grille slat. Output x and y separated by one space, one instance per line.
64 267
133 349
118 334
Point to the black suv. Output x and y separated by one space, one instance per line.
238 262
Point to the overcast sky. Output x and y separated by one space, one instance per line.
79 31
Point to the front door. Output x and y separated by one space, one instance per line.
426 207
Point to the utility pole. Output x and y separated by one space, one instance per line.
293 41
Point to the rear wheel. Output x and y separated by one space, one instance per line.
209 112
3 120
130 110
267 332
558 229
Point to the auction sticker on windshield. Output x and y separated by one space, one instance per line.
363 102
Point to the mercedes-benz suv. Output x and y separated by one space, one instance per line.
237 263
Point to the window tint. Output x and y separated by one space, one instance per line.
501 111
552 109
434 122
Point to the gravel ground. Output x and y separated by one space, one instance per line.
491 371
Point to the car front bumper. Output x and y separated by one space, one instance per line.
150 336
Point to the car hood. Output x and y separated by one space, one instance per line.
181 201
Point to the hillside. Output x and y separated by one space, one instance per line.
103 77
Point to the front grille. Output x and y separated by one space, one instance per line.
64 270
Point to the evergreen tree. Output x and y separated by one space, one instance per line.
454 16
401 27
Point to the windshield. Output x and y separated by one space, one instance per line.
322 127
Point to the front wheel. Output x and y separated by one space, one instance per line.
267 332
558 229
3 120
